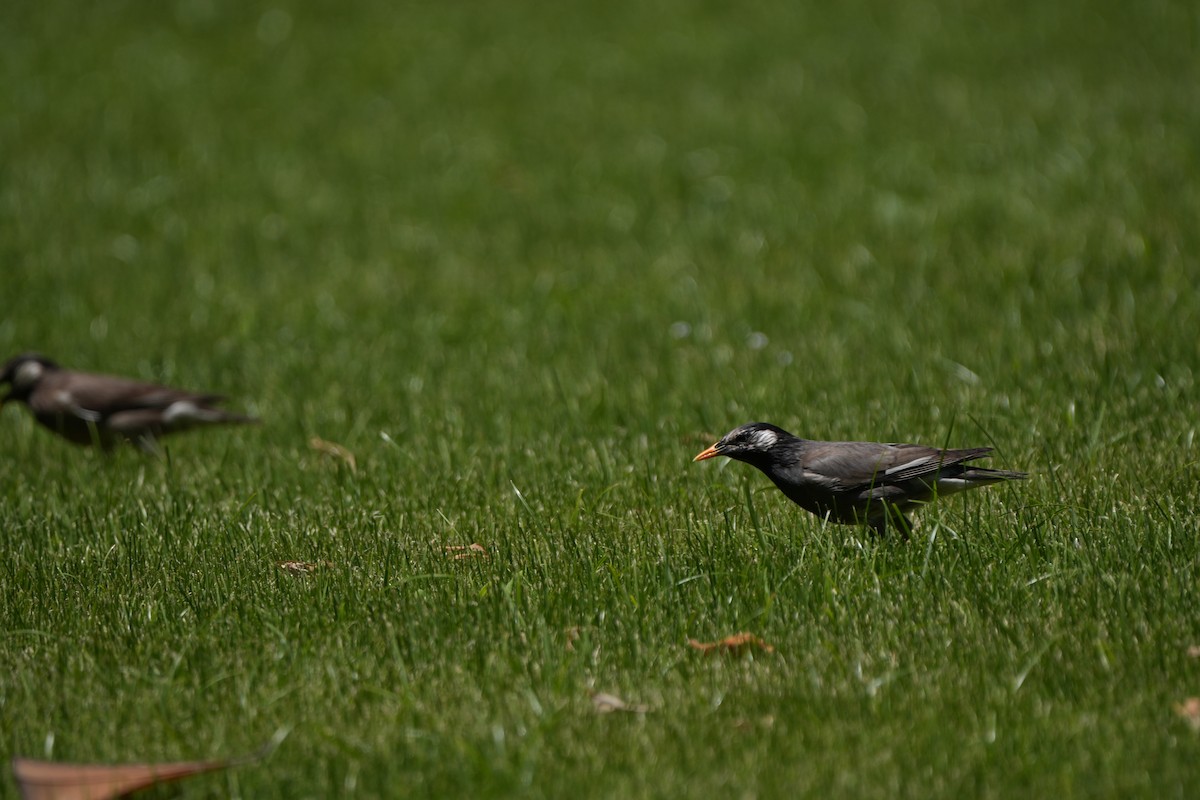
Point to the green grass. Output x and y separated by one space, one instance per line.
525 260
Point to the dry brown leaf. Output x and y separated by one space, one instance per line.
737 645
605 703
766 722
47 780
303 567
335 450
572 637
1190 711
1194 651
460 551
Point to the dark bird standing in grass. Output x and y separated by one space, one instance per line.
863 483
103 409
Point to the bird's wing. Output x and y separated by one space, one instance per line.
861 464
930 462
99 396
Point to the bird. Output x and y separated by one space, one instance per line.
857 483
105 410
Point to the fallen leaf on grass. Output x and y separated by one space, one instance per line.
572 637
1194 651
737 645
460 551
605 703
46 780
303 567
766 722
335 450
49 780
1190 711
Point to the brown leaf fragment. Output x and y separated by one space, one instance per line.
572 637
736 645
605 703
47 780
458 552
1194 651
334 450
765 722
1189 710
302 568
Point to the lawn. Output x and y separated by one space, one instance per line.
524 261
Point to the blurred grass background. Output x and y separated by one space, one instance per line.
525 261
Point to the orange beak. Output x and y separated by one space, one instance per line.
709 453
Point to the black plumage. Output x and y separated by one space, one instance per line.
865 483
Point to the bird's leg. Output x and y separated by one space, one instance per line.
149 445
98 443
890 517
878 525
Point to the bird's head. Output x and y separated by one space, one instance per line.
23 373
752 442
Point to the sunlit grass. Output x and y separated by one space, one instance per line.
524 263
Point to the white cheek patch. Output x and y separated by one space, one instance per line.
765 440
28 374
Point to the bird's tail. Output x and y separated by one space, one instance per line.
230 418
187 413
983 475
222 417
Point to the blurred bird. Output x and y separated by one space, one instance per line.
103 410
863 483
